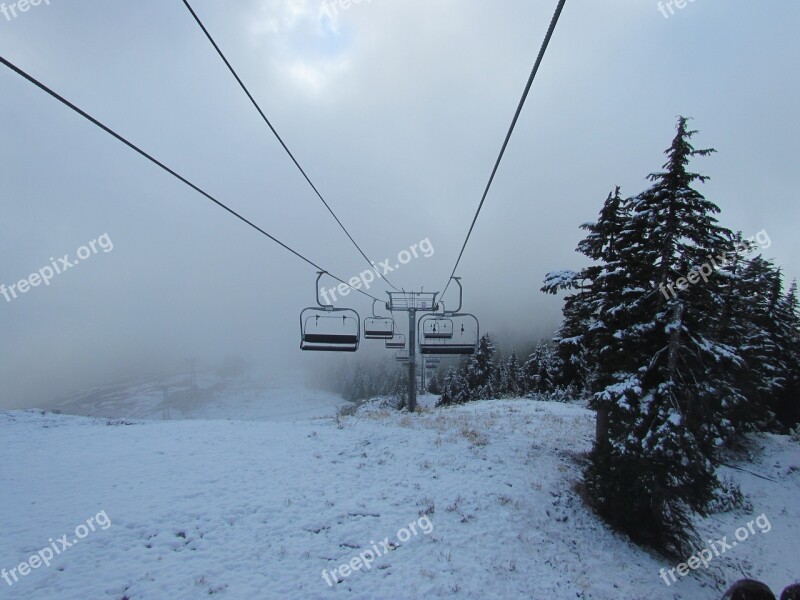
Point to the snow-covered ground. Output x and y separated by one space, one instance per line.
258 509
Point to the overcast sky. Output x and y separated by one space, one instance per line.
397 109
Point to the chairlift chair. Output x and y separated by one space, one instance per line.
396 342
465 333
378 328
324 328
401 356
464 340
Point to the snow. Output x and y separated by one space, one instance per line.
258 508
557 280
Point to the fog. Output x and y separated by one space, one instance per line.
397 110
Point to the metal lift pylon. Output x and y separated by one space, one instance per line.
411 303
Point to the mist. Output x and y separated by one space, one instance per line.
397 111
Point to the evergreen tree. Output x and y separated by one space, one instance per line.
571 337
786 335
539 371
512 386
661 373
478 377
546 377
481 373
434 387
455 389
584 343
751 293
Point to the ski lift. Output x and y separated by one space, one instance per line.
463 342
329 329
465 334
437 327
396 342
401 356
378 328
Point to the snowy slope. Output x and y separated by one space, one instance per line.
277 398
258 509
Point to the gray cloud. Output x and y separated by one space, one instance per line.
397 110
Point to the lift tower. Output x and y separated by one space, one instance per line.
411 303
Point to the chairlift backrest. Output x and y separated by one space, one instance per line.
435 327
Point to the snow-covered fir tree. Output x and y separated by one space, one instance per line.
539 371
669 374
434 385
481 374
455 389
648 315
786 336
584 341
751 289
511 380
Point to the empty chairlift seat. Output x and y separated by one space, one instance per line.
378 328
335 330
397 342
464 341
324 328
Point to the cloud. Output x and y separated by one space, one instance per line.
302 41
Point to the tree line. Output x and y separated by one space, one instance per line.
486 375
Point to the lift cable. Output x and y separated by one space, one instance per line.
274 131
164 167
536 66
